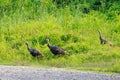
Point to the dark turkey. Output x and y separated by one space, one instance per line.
34 52
55 49
102 40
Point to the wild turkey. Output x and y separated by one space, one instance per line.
34 52
55 49
102 40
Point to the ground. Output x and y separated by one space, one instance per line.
32 73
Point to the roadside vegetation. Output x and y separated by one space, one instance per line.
70 24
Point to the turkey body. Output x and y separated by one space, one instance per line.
102 40
55 49
34 52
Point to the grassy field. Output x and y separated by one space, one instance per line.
66 27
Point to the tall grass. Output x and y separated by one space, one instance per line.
74 31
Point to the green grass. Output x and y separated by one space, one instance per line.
72 30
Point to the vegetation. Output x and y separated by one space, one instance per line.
69 24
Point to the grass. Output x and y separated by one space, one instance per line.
74 31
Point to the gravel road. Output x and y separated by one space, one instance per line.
30 73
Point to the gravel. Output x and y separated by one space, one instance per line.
30 73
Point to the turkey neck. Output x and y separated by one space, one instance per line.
28 47
48 44
100 35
